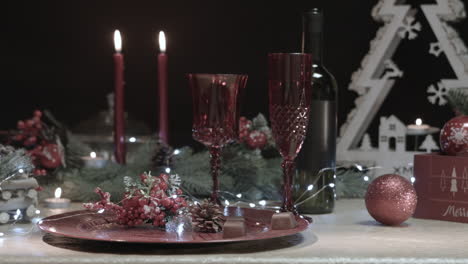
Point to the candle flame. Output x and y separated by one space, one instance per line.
419 122
117 41
162 41
93 155
58 192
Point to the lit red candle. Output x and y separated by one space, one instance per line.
119 117
162 85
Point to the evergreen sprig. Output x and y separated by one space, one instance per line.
458 99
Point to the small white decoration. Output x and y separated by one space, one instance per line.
453 183
437 94
410 28
392 135
429 144
366 143
435 49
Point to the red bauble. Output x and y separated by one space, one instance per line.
454 136
47 156
256 139
391 199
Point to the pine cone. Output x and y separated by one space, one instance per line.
163 155
207 217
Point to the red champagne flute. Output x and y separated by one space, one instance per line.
216 103
289 90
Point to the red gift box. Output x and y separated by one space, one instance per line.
442 187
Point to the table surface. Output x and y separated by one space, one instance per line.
348 236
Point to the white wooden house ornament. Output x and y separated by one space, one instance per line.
376 77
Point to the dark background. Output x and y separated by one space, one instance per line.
57 55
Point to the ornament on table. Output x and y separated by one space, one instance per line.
256 133
41 141
391 199
454 136
377 75
18 191
207 217
154 200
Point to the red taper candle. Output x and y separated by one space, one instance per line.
119 116
162 85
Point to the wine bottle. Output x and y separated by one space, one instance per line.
316 160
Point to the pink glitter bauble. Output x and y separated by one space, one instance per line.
454 136
391 199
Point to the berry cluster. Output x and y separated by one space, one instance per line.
29 131
40 142
152 201
253 138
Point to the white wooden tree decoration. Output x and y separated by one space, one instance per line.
376 77
429 144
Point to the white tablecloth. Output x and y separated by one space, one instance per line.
348 236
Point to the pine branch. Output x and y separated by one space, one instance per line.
458 99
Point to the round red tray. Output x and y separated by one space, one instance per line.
94 226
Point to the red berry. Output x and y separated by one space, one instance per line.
38 113
179 192
166 202
142 202
20 125
164 177
256 139
143 177
29 123
163 186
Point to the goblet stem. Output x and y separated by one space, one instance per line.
215 152
288 170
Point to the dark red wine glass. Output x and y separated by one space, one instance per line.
289 89
216 102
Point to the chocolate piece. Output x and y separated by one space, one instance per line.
281 221
234 228
235 218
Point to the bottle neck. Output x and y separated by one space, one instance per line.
312 43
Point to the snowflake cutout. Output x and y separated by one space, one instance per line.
410 28
435 49
437 94
458 135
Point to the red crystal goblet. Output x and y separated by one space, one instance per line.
289 89
216 103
